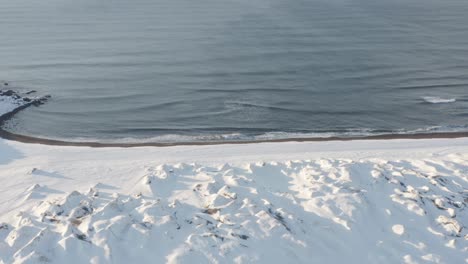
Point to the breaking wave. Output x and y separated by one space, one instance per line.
438 100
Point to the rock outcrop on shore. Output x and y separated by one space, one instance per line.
12 101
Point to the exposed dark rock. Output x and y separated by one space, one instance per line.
7 93
244 237
210 211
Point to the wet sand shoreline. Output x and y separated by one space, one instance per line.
44 141
37 140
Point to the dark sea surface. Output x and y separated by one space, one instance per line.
204 70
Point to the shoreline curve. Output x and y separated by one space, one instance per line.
52 142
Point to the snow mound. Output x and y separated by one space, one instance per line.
320 211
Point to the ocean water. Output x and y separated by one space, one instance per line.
185 70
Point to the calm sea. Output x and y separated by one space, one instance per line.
184 70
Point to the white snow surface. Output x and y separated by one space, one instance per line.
388 201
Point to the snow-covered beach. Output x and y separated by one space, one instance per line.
213 131
369 201
362 201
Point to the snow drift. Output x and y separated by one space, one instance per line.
318 211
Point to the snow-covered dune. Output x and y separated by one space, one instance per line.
395 201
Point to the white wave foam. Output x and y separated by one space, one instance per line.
241 137
438 100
